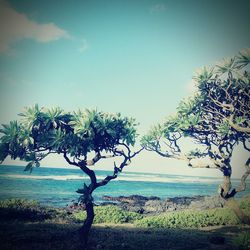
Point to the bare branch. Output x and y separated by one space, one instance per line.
245 146
98 157
68 160
126 161
238 127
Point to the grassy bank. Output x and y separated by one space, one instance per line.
27 225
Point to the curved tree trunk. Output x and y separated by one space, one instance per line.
84 230
228 195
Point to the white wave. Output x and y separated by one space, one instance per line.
44 177
167 179
122 177
164 178
140 174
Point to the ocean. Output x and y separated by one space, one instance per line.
57 186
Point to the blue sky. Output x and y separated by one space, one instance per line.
134 57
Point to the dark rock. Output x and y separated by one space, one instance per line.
75 207
154 205
207 202
185 201
107 203
130 199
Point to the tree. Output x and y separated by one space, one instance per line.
216 117
83 138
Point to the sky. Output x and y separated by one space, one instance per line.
134 57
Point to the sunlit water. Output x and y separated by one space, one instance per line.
57 186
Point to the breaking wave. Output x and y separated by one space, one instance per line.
122 177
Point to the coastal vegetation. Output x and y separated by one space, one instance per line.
83 138
28 210
216 119
113 227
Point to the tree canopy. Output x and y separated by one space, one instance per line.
216 118
83 138
45 131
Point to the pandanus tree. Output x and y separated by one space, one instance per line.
83 138
217 118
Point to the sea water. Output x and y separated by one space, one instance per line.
57 186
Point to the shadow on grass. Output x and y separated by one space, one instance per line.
38 236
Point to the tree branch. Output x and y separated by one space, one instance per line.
245 146
90 173
98 157
126 161
68 160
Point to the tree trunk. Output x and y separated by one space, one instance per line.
228 195
84 230
233 204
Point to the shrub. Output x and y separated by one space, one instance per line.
190 219
18 204
23 209
109 214
245 204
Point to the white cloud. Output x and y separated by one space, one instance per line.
15 26
160 7
84 45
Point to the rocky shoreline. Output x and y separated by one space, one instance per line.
155 205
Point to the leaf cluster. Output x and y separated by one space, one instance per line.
109 214
217 114
43 131
190 219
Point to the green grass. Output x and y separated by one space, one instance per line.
190 219
245 204
58 236
109 214
25 225
195 219
25 210
28 210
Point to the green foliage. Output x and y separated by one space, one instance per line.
216 117
224 129
54 234
26 210
203 75
242 241
56 131
245 204
29 210
31 165
189 105
243 58
18 204
109 214
227 65
21 209
150 140
190 219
